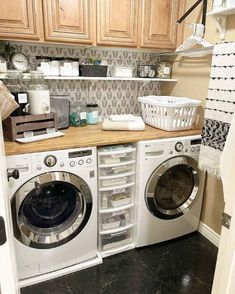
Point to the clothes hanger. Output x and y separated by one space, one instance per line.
198 29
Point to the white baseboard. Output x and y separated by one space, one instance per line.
65 271
208 233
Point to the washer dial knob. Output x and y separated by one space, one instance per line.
179 146
72 163
50 160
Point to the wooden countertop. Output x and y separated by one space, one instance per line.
92 135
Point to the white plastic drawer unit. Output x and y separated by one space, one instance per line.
115 220
116 182
116 240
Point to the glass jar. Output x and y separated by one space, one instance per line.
92 113
164 70
77 116
19 91
39 95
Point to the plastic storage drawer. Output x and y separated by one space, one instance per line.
115 182
116 198
116 170
115 240
115 219
115 155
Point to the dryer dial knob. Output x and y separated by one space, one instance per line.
88 160
50 160
179 146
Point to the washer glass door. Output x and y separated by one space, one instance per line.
51 209
172 187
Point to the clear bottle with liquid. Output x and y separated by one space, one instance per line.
39 94
19 91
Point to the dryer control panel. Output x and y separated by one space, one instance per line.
191 146
173 147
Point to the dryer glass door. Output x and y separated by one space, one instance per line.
51 209
172 187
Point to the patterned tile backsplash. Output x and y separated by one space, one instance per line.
113 97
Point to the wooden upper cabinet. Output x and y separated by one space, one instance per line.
69 21
21 19
158 28
117 22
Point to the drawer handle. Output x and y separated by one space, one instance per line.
118 234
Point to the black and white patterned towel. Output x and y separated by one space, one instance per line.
220 106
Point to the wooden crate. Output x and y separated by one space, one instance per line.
15 126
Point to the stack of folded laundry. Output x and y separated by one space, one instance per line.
121 122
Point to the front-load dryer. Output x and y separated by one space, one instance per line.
169 189
54 209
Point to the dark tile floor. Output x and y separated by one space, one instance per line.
182 266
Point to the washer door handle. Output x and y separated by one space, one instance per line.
3 237
13 174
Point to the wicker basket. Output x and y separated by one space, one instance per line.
169 113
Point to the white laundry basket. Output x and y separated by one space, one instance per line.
169 113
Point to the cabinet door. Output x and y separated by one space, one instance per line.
69 21
159 28
117 22
21 19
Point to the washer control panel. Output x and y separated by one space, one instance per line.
73 159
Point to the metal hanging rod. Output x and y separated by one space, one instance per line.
192 8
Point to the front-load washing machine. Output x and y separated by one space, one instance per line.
169 189
54 209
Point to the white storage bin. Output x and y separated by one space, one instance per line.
115 220
115 240
169 113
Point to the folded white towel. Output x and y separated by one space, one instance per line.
122 117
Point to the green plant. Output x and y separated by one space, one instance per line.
6 49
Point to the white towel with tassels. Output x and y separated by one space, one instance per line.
220 107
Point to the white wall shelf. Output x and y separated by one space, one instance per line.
219 16
27 76
222 11
109 79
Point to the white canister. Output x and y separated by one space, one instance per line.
39 101
230 3
75 70
54 68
